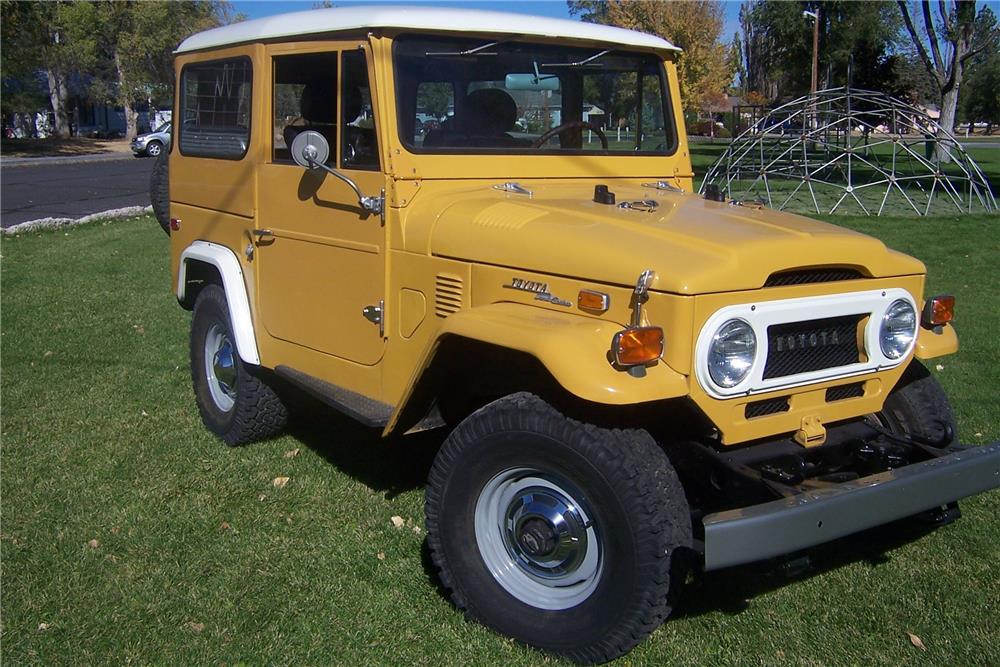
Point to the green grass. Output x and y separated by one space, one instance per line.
199 559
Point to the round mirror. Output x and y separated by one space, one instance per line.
310 149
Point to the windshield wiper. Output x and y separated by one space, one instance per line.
468 52
581 63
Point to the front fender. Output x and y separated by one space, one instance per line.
573 349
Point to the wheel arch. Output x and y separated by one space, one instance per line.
204 263
503 348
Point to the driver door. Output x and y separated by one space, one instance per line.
321 257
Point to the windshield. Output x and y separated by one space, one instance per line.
163 128
475 96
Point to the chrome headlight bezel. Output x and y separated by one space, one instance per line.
728 368
898 329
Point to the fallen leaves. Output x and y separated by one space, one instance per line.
42 627
224 525
916 641
280 482
194 627
291 454
93 544
397 521
380 555
939 367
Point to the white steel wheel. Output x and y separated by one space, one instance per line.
537 540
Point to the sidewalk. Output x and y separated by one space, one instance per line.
62 159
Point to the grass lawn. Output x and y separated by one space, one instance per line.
130 535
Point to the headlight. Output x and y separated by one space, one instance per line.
899 326
731 354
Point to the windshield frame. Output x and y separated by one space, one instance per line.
669 119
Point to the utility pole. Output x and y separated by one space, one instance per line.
813 84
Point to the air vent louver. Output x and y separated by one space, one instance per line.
807 276
448 294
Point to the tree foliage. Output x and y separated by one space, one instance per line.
121 49
693 25
858 44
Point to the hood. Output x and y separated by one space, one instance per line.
695 246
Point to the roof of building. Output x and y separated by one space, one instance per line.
339 19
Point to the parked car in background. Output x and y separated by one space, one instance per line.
153 143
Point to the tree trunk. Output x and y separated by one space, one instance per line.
58 95
949 105
131 122
131 117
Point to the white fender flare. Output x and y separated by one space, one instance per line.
223 259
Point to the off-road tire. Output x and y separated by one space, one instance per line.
918 407
159 191
630 492
257 412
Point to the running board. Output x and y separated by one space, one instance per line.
366 410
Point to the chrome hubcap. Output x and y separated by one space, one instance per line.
537 540
220 368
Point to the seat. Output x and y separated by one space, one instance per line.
318 109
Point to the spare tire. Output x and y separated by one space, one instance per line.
159 192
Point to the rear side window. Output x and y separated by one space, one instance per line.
215 109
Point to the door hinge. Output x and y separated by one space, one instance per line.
376 315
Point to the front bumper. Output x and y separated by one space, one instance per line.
787 525
138 149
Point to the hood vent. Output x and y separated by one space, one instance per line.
448 294
813 275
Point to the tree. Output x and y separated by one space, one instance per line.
47 36
134 46
693 25
950 39
858 42
980 101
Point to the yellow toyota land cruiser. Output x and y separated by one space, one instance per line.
485 222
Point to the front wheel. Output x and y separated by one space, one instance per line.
234 403
154 148
557 533
918 407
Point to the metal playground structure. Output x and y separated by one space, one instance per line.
848 150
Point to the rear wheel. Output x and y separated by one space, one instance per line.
557 533
234 403
159 192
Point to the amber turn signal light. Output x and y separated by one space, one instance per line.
637 345
594 302
938 310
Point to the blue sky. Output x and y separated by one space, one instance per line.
555 8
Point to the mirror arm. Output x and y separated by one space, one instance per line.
370 204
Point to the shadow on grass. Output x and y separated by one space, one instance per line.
732 590
391 466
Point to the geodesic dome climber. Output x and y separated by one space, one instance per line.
847 150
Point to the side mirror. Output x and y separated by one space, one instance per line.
311 150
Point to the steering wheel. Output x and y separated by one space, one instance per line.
573 124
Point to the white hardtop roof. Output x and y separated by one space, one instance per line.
363 17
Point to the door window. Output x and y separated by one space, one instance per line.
359 147
305 98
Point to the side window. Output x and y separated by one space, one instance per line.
305 98
359 148
215 109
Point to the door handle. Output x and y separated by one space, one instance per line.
261 233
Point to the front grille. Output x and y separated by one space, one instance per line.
802 347
807 276
845 391
769 406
